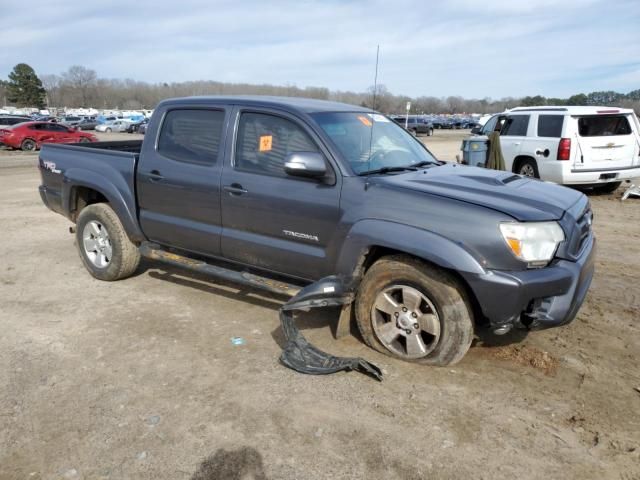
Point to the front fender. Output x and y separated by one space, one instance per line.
420 243
117 191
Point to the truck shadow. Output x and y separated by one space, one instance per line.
314 319
204 283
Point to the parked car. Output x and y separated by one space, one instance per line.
30 136
71 121
8 120
442 123
86 124
590 146
114 126
415 125
300 189
107 118
134 127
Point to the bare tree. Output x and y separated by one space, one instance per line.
83 81
81 87
51 84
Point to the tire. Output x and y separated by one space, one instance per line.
607 187
443 321
430 132
528 168
103 245
84 140
108 130
28 145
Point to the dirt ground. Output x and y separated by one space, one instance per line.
139 379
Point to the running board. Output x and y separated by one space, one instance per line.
155 252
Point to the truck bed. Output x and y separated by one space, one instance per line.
108 168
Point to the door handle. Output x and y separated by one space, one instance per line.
234 189
516 143
155 176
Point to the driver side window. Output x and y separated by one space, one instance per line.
264 142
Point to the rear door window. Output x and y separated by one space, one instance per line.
191 135
264 142
550 125
603 126
515 126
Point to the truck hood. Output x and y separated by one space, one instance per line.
522 198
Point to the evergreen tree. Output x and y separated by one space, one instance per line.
24 88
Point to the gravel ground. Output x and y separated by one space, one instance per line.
139 378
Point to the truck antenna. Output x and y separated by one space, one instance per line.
373 108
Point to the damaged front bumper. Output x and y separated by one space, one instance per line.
298 353
535 299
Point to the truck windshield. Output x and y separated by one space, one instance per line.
372 142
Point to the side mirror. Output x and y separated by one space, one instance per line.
476 130
305 164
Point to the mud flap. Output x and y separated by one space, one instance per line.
298 353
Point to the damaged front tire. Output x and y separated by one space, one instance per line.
414 311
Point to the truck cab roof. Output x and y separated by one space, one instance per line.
297 104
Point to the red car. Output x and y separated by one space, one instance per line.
30 135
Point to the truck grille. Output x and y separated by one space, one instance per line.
582 232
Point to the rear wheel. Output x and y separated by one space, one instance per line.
528 168
104 247
607 187
413 311
28 145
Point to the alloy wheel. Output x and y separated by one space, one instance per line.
405 321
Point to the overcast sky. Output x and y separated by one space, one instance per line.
473 48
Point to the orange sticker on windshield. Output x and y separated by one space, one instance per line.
365 120
266 141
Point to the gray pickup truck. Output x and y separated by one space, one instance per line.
281 192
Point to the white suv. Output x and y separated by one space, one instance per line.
570 145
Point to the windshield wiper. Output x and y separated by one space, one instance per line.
424 163
384 170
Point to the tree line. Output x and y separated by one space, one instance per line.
81 87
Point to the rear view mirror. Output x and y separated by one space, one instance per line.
476 130
305 164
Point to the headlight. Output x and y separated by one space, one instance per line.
533 242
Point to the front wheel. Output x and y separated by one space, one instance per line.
414 312
104 247
108 130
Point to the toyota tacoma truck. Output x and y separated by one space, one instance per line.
281 192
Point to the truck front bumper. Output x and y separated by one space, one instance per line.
540 298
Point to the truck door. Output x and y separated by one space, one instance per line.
271 220
178 180
513 132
